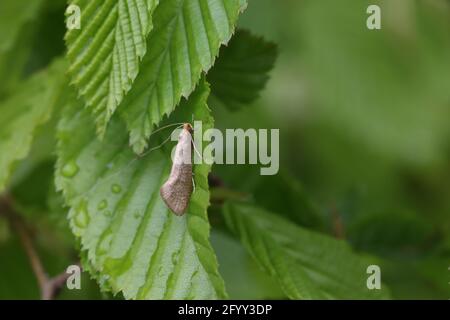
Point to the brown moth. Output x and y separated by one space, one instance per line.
176 191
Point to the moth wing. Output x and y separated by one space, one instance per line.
176 191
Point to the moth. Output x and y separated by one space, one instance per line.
177 190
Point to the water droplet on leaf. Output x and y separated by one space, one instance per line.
102 205
116 188
70 169
81 218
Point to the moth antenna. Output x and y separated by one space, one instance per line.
152 149
178 124
160 145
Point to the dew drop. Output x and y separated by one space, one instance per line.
102 205
81 218
116 188
70 169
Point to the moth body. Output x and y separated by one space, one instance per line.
176 191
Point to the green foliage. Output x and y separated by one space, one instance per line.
388 233
24 111
242 275
242 70
106 51
307 265
364 149
132 239
184 43
16 20
291 200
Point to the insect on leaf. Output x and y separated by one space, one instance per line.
129 235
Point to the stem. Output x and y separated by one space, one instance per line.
25 239
49 287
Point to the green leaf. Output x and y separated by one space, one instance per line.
132 240
23 112
285 195
391 233
43 148
244 278
14 14
306 264
16 28
425 278
106 51
184 43
243 69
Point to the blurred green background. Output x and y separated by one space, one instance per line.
364 119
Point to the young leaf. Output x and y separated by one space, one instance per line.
132 241
106 51
23 112
184 42
242 70
307 265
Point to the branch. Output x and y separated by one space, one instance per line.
49 287
53 286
